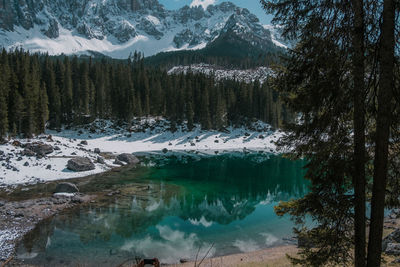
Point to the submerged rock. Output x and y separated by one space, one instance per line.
66 188
80 164
128 158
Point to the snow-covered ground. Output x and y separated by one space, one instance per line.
147 135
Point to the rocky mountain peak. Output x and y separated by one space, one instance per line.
118 27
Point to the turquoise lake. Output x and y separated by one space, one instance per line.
174 208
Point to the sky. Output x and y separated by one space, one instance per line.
253 5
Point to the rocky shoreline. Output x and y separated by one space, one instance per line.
100 146
20 217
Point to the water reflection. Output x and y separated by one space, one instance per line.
189 204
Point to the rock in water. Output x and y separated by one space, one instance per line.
80 164
66 188
128 158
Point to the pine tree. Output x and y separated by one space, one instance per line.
84 88
189 107
220 112
42 111
3 104
18 112
323 81
383 129
205 119
67 92
53 94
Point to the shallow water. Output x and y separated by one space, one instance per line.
175 209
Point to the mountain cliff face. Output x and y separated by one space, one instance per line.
118 27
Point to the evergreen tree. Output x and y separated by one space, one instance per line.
67 91
53 94
383 129
84 88
205 119
324 82
118 90
3 104
42 109
189 107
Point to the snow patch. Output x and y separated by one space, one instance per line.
203 3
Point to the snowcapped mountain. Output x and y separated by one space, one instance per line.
116 28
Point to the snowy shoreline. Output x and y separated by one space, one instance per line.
149 135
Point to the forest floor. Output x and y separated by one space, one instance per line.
104 140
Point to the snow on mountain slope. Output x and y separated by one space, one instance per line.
276 36
118 27
259 74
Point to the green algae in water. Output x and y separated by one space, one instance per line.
172 209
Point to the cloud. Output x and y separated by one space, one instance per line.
203 3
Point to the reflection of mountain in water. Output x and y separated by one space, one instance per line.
203 192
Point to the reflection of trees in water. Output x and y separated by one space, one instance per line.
220 189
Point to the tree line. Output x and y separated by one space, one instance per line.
343 79
39 90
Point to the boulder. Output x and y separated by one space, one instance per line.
84 142
100 160
97 150
66 188
40 149
16 143
118 162
27 152
128 158
80 164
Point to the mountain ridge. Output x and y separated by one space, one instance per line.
116 28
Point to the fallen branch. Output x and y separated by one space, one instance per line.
205 256
7 261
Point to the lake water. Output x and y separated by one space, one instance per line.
174 208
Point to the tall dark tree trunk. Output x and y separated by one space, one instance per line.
386 85
359 133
